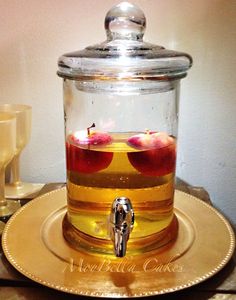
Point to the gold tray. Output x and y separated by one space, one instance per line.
33 243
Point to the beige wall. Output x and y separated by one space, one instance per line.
33 34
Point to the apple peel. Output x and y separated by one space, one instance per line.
157 156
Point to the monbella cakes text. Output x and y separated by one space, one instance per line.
124 266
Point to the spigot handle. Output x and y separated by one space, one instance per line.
121 224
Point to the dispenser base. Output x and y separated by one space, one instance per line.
46 257
81 241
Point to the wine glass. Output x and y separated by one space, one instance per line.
7 152
17 189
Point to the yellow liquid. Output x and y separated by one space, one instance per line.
90 195
7 138
23 123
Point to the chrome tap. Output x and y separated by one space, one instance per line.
121 224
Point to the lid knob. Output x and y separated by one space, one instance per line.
125 21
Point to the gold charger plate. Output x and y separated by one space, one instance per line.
33 243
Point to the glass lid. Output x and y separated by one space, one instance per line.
124 55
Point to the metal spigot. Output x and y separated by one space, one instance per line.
121 224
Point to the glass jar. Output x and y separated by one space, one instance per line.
121 121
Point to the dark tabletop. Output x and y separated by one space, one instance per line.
14 286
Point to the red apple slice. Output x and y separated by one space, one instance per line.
86 160
94 138
158 155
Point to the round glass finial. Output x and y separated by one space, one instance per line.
125 21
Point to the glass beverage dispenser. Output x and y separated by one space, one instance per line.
121 121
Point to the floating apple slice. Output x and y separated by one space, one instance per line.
157 156
86 160
150 140
84 137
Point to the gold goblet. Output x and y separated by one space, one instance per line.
17 189
7 152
